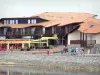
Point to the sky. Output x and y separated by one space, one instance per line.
20 8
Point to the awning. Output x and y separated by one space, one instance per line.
48 38
38 41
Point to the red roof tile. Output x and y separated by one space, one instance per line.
90 25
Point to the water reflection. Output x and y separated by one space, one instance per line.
14 70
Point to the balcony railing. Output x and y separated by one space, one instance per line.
91 42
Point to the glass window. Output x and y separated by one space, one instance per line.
4 21
11 22
33 21
16 22
28 21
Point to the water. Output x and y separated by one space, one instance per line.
18 70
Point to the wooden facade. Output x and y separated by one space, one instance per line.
14 33
24 20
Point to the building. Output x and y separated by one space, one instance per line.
61 24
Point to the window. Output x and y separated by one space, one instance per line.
11 22
5 30
16 30
33 21
29 21
7 21
16 22
32 31
4 21
91 26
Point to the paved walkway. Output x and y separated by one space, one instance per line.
36 51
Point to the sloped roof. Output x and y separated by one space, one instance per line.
63 15
44 24
18 25
65 18
69 21
3 25
56 18
95 29
50 23
22 25
90 25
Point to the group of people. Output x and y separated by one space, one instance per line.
72 50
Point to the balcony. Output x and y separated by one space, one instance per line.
91 42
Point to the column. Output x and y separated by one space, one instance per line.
8 72
86 39
23 45
43 30
80 39
47 43
8 47
29 45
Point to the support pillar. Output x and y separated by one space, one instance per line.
23 45
8 73
8 47
86 40
43 30
80 39
83 40
29 45
47 43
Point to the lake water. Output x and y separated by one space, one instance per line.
15 70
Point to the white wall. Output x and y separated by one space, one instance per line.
97 38
76 36
73 36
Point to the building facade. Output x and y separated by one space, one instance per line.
63 25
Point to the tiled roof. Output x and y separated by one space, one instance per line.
69 21
56 18
19 25
3 25
45 24
90 25
22 25
65 18
63 15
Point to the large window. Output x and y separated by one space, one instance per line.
10 21
33 21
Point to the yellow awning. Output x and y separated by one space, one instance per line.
47 38
37 41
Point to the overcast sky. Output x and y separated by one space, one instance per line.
18 8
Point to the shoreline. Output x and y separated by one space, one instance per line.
54 67
88 63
